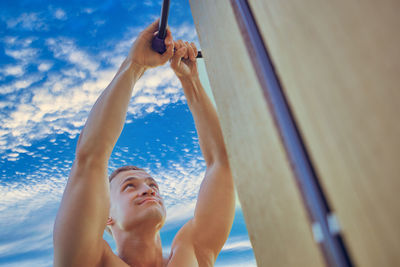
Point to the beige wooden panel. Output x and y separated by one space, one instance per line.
339 62
276 219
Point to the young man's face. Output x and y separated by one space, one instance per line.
136 201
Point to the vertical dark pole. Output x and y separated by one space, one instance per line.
162 29
325 233
158 42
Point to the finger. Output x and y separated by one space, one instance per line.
187 49
152 27
193 45
181 52
169 53
168 39
181 44
177 44
191 52
176 59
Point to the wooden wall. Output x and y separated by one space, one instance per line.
265 184
339 65
339 62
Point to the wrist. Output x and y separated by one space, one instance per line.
192 89
190 80
136 68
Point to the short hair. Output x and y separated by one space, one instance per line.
112 176
123 168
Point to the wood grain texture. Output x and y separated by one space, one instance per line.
276 219
339 64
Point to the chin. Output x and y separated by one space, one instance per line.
152 215
156 216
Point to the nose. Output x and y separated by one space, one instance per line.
147 190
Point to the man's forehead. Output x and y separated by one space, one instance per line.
138 174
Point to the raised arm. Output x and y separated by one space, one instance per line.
215 206
84 208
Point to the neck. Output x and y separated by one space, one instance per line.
140 248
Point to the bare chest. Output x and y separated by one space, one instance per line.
179 258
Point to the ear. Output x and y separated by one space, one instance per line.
110 221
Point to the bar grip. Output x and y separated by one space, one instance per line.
158 44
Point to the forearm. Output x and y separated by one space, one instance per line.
206 121
107 117
215 206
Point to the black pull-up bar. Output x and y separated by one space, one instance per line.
158 41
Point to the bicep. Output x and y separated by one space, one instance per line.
82 216
215 208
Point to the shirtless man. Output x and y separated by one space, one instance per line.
131 205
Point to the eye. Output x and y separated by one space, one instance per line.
129 185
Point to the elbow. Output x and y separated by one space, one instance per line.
94 153
83 154
86 162
221 157
90 149
218 160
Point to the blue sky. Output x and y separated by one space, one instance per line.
55 59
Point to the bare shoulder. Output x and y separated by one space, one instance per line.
184 251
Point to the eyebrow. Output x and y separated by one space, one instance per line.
130 178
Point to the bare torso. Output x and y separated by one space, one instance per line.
181 257
182 254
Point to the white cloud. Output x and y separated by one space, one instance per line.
66 49
22 84
16 70
38 241
27 21
44 66
9 40
60 14
31 262
18 84
25 54
19 49
60 104
21 200
148 3
180 211
88 10
185 32
237 244
99 22
14 41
